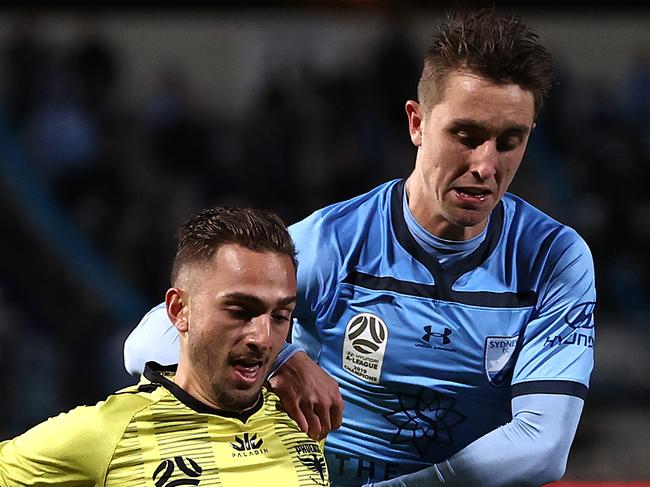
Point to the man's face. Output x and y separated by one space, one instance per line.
470 146
237 309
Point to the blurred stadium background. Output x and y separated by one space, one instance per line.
116 124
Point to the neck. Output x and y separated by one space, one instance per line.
194 383
187 379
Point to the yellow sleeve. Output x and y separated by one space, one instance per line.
71 449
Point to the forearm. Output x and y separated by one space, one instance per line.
530 450
154 339
288 350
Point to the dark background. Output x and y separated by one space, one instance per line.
116 124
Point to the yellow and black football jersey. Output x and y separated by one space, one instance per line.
155 434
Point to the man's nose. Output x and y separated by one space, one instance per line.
484 160
259 332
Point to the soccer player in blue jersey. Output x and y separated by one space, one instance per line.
456 318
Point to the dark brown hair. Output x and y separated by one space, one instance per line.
498 48
207 230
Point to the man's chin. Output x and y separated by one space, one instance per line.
240 400
469 219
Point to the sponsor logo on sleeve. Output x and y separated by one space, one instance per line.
580 319
581 316
499 357
364 346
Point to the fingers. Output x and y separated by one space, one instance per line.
324 413
309 395
315 430
330 408
324 420
297 415
336 413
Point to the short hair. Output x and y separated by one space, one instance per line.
498 48
200 237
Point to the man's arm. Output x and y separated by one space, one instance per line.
531 450
154 339
70 449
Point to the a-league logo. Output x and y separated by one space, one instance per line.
364 345
367 333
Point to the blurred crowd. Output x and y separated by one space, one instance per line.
126 174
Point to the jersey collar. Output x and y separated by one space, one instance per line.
444 278
162 374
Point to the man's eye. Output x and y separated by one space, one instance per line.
467 140
507 144
239 313
282 317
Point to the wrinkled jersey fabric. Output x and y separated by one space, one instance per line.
156 433
428 357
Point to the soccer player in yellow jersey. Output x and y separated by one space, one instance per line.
207 421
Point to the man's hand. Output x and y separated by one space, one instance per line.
309 395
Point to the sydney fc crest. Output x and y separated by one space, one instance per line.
499 358
364 346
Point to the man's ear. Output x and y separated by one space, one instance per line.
177 308
414 114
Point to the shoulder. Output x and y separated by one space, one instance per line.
119 408
78 443
339 216
330 231
98 424
154 339
555 252
534 228
326 239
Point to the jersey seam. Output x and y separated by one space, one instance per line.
128 422
438 300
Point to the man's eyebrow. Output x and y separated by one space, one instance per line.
254 300
469 123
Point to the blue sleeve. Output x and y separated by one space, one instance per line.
288 350
531 450
558 343
316 266
156 339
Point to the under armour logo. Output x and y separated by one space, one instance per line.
444 335
165 470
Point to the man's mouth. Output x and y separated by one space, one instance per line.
470 194
247 370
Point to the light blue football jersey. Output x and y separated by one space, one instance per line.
427 358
